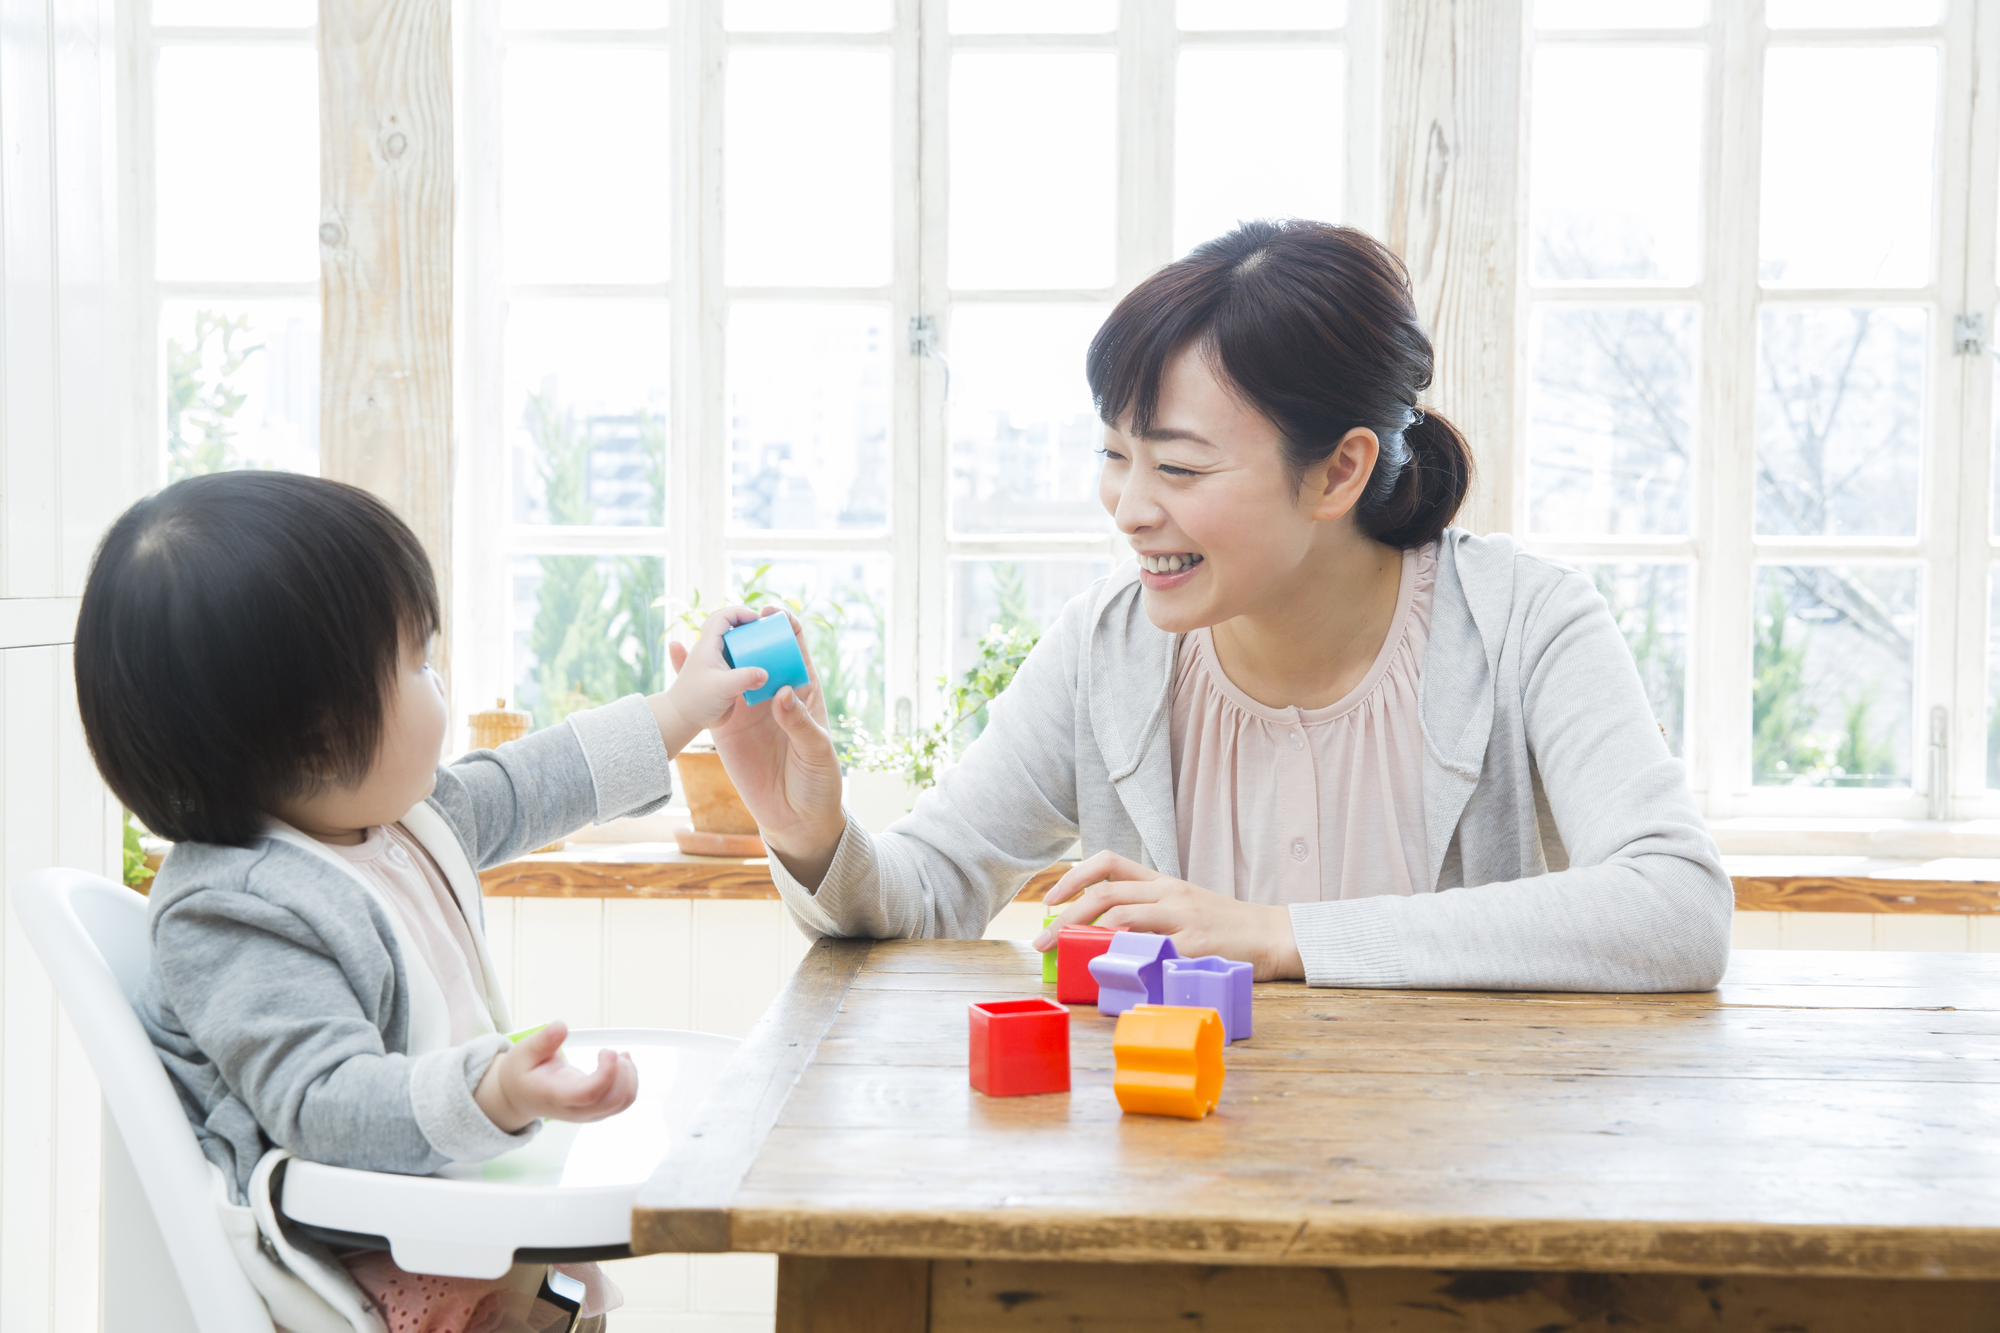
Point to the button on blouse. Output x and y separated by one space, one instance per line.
1287 805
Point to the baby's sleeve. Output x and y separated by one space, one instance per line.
259 992
599 764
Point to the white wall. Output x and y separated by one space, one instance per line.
712 965
61 479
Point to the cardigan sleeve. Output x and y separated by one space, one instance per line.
1644 904
1004 811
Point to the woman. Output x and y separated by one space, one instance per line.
1313 727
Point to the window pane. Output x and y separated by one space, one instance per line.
806 168
586 411
1847 187
1831 678
805 15
235 13
1266 15
1012 594
236 152
843 602
1034 15
587 630
1024 434
1993 679
1620 13
553 14
1614 166
1650 603
1840 421
1610 412
584 174
241 386
1033 179
1257 134
808 415
1852 13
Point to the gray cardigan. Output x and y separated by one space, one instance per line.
1574 854
279 1001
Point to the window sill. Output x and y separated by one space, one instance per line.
1815 838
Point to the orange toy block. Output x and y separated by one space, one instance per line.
1169 1060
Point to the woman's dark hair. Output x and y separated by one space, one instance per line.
1314 326
236 642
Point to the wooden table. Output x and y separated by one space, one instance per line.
1815 1146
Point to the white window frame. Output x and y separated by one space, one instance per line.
696 541
1949 546
140 43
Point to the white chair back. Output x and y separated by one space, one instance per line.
91 936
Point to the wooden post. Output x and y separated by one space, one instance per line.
385 260
1452 97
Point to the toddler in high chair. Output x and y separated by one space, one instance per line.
252 665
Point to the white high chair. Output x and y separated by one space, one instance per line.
567 1195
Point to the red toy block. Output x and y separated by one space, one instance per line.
1020 1047
1075 947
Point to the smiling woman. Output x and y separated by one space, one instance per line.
1313 714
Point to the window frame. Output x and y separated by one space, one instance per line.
1949 666
146 294
696 541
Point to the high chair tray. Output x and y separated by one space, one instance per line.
566 1195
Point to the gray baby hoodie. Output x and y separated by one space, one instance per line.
279 1000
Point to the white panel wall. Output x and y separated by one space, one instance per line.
712 965
60 483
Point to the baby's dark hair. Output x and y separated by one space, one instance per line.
236 644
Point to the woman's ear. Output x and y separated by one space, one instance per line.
1334 485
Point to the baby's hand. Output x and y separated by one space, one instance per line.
532 1082
705 686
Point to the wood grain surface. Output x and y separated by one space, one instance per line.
661 870
972 1296
1817 1115
385 262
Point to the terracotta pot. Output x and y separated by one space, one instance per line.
711 796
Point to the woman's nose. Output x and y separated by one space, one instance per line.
1136 510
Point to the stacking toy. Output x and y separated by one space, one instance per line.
1128 972
1019 1047
768 643
1169 1060
1211 982
1076 946
1049 958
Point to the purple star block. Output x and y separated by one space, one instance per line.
1211 982
1128 973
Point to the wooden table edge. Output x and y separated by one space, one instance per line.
1365 1240
685 1207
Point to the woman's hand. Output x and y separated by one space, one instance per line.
532 1081
1112 891
780 756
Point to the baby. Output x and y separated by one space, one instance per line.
252 666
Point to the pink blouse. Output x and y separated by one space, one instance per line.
1293 805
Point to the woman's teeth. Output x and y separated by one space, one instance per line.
1168 564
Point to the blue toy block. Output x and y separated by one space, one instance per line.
1128 972
1211 982
768 643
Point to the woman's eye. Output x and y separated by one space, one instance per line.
1173 471
1110 455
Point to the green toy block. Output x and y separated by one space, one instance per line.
1049 958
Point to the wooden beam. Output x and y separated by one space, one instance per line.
1451 101
385 259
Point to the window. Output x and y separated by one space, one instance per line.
797 294
1741 410
222 221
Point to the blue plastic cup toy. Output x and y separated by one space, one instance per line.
770 644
